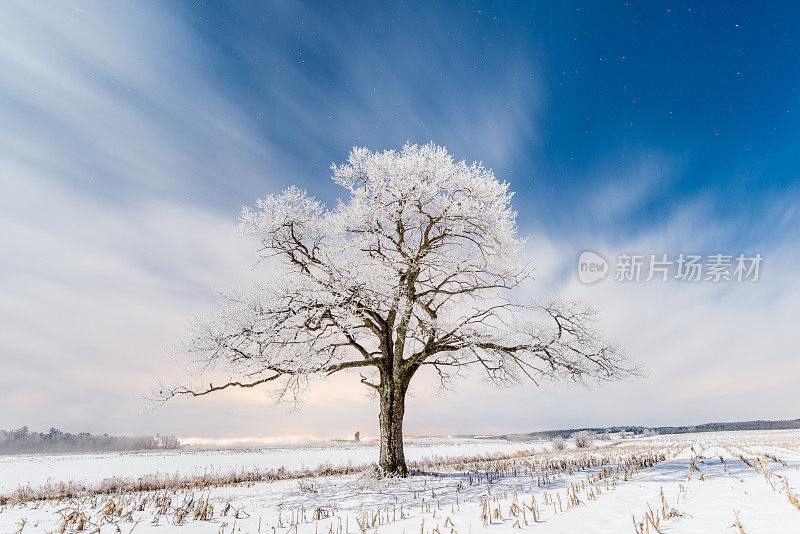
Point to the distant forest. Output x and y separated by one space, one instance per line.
23 441
787 424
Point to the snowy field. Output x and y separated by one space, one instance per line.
36 470
711 482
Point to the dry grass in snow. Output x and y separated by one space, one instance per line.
713 482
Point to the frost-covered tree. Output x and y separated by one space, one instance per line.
558 443
583 439
413 269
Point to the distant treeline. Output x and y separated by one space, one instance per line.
787 424
23 441
567 432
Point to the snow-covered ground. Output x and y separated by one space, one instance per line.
712 482
35 470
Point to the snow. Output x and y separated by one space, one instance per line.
36 470
709 480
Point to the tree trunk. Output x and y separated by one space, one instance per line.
393 399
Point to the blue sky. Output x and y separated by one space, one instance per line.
704 98
133 132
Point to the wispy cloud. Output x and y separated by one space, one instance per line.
110 153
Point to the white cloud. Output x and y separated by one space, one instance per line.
93 294
106 126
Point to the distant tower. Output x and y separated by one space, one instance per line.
358 436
